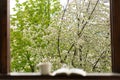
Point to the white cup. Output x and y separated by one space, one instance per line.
45 68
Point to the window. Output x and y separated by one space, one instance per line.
4 45
77 35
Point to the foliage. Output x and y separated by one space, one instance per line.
78 36
28 26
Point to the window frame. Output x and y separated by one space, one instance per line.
5 47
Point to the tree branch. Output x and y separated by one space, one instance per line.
29 62
95 64
80 33
88 6
75 52
59 33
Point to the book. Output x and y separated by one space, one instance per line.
69 72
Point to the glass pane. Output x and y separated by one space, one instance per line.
71 33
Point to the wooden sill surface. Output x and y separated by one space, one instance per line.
32 76
88 74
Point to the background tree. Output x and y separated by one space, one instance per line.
29 22
78 35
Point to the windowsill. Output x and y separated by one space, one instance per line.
88 74
93 76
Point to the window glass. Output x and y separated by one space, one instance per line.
71 33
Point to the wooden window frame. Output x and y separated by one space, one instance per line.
5 47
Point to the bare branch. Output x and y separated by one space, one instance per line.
59 33
75 52
95 64
83 27
88 6
88 19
